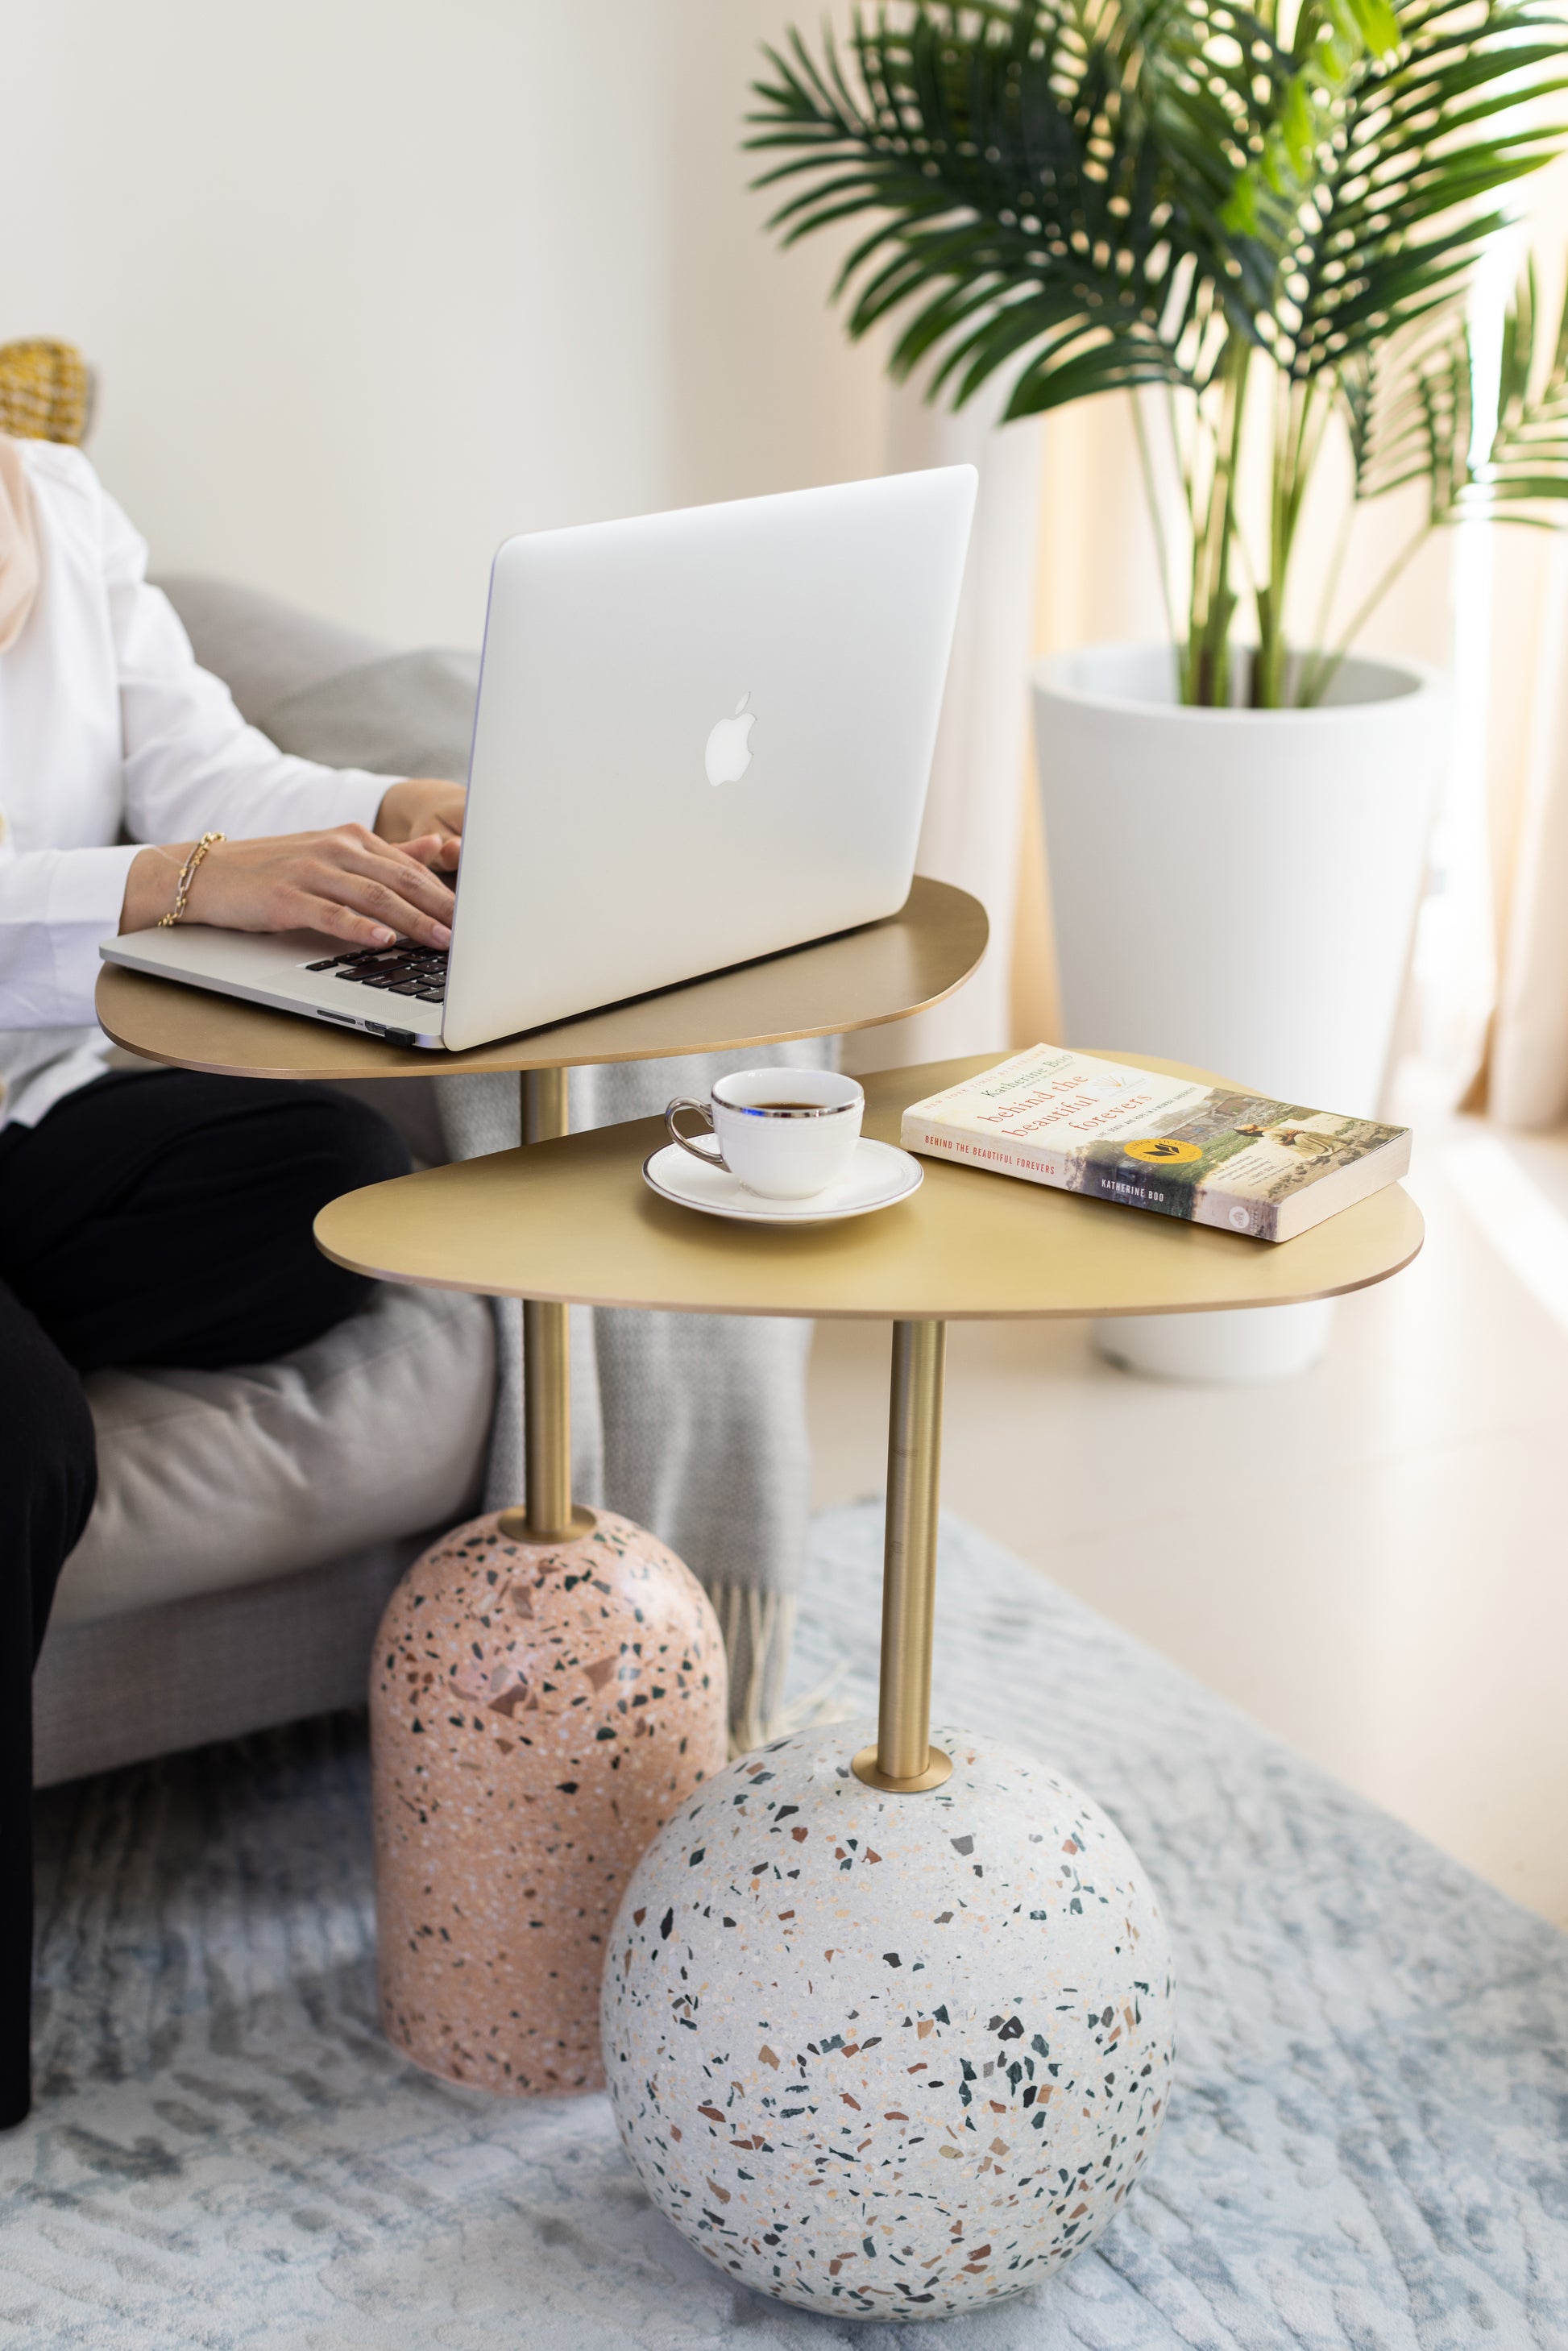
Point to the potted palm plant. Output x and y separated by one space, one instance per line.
1261 225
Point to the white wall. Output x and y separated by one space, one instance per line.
372 283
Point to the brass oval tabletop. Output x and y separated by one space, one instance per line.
855 980
573 1220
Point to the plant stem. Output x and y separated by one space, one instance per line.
1305 684
1299 421
1327 669
1207 678
1151 493
1270 663
1267 675
1182 455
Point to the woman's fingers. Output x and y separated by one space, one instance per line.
427 849
334 921
409 864
420 804
390 886
392 904
440 851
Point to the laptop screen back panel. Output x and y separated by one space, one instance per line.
599 862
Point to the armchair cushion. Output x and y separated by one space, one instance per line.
208 1480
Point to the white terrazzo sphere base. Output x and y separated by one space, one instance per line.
888 2056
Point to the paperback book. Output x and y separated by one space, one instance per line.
1207 1154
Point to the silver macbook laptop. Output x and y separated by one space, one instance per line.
701 738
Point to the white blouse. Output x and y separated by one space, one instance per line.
111 737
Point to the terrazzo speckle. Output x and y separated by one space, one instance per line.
888 2055
537 1711
1364 2151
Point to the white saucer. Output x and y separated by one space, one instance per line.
878 1174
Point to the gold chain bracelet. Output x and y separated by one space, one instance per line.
187 875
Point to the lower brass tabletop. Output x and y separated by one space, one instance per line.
572 1220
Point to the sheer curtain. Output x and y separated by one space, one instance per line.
1525 1081
1528 1071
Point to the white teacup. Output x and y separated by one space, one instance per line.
785 1135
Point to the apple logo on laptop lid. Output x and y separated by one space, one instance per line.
728 753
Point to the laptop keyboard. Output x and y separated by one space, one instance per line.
419 972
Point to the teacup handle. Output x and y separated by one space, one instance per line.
714 1158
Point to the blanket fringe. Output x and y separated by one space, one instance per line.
757 1628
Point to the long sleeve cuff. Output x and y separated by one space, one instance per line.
88 886
55 905
87 892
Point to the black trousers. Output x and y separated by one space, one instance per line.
149 1218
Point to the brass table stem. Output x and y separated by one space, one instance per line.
547 1364
904 1761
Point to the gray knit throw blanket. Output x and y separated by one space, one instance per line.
692 1426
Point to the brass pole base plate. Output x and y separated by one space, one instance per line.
514 1525
938 1767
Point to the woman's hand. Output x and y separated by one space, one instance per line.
348 883
424 804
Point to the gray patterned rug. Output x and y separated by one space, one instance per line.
1368 2146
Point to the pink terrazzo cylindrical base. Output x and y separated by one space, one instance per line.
537 1712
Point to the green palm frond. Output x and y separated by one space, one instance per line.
1414 409
1096 189
1414 418
1528 462
1025 211
1424 139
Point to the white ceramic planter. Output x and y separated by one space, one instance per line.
1235 888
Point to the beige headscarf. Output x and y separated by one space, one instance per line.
18 544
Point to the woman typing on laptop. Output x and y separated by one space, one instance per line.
153 1217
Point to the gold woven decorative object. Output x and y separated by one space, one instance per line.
44 391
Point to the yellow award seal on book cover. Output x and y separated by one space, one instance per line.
1163 1151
